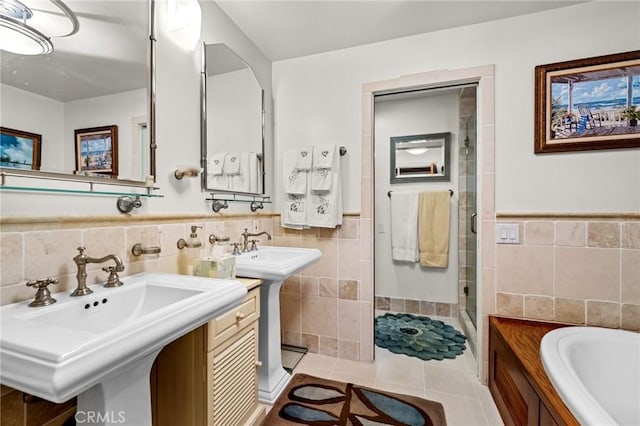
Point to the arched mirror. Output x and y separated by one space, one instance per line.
90 101
232 123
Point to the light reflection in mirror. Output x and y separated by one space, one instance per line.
94 78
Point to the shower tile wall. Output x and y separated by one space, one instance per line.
580 271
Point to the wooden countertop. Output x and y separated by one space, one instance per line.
524 337
251 283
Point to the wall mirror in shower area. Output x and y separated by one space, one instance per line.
232 123
100 75
419 158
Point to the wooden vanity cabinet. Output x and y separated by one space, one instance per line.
21 409
517 381
210 376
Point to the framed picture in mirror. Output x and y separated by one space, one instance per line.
20 149
420 158
588 104
97 151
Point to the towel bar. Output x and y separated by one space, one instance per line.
450 193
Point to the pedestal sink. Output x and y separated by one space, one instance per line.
273 265
101 347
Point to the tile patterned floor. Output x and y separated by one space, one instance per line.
451 382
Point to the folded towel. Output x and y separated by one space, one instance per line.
296 182
404 226
323 156
215 164
325 208
304 157
322 178
293 213
218 181
241 182
232 164
433 228
254 172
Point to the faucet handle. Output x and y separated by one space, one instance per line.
236 249
42 283
81 249
253 245
43 295
113 280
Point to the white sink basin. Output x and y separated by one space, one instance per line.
596 372
79 343
275 263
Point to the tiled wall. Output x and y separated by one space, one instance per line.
580 271
420 307
35 250
328 307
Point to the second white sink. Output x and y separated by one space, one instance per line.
275 263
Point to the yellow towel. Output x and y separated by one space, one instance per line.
433 228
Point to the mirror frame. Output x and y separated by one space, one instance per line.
203 127
445 177
151 123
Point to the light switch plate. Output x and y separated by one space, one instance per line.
507 233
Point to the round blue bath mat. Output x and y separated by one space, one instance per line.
417 336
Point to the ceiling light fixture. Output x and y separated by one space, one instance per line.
18 36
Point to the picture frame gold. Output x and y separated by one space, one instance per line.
588 104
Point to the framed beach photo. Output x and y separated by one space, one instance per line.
97 151
588 104
20 149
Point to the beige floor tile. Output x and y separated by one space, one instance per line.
316 365
442 379
355 368
368 381
458 410
404 389
488 405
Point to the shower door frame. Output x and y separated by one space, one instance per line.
484 77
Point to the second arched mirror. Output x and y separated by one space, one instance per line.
232 123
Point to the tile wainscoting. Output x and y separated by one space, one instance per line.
572 268
418 307
327 307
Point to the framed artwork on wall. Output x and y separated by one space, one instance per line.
588 104
20 149
97 151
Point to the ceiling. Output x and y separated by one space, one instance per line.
293 28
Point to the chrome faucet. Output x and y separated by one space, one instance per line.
245 238
81 261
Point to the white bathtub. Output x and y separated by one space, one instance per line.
596 372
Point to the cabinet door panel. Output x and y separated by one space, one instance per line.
232 365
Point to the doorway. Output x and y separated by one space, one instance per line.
485 220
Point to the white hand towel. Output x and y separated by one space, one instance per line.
325 208
322 178
215 164
304 157
241 181
294 207
232 164
254 172
323 156
218 181
296 182
404 226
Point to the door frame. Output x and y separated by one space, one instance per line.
484 76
